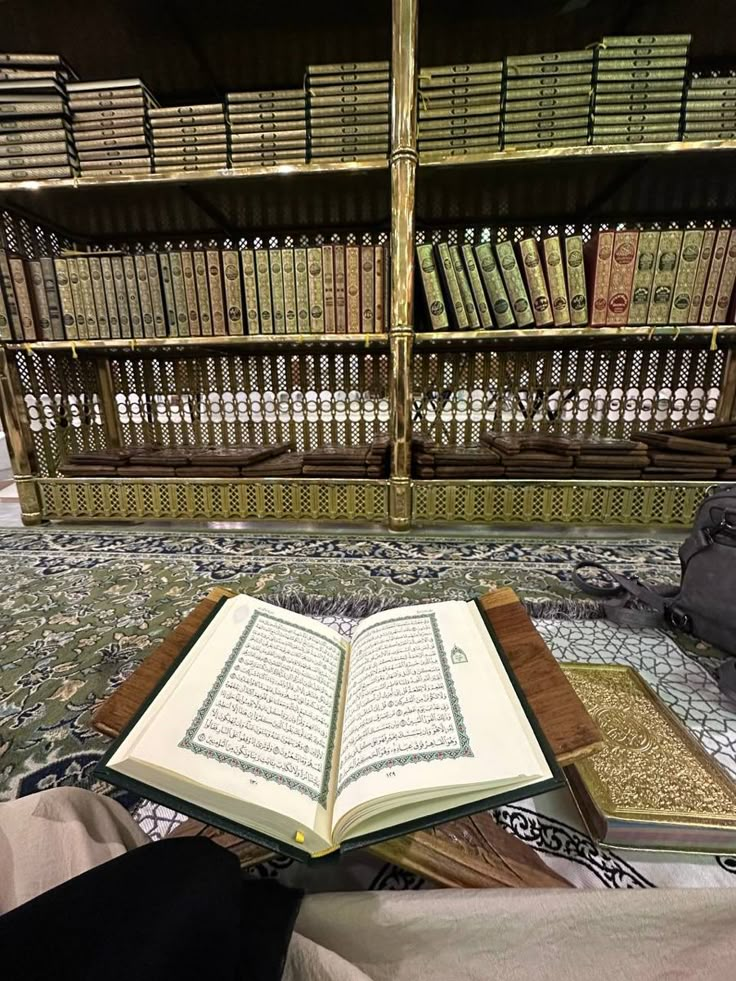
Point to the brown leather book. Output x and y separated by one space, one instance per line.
86 470
236 456
620 461
208 471
681 444
674 461
509 444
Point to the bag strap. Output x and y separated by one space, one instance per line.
620 597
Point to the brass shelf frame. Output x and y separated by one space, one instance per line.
257 342
398 501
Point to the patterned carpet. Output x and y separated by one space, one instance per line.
79 610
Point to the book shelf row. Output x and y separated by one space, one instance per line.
329 289
620 90
620 278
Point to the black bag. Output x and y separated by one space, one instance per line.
704 604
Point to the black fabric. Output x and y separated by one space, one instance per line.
177 909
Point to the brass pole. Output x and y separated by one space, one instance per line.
403 194
17 429
106 390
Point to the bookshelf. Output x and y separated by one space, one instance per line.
58 397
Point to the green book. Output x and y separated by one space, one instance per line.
334 766
493 281
432 288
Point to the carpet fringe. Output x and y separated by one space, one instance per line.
359 607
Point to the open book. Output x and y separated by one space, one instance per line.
279 729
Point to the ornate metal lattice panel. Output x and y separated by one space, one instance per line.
307 398
625 504
62 406
215 500
579 389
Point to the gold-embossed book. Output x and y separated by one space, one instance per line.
651 785
277 728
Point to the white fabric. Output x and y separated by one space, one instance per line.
515 934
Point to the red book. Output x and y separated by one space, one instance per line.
621 277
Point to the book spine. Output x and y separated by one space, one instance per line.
203 293
144 294
665 274
264 291
250 288
6 284
277 291
52 299
316 292
118 278
23 299
287 274
447 269
40 303
134 301
692 243
352 279
88 300
108 284
641 285
233 293
98 294
180 296
556 281
168 294
214 281
367 289
68 315
701 276
725 287
79 316
379 264
622 277
190 294
491 276
157 299
476 286
514 284
466 293
328 281
6 331
341 309
536 285
430 278
602 252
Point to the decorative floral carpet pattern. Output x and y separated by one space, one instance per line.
80 609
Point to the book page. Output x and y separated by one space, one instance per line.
253 713
428 707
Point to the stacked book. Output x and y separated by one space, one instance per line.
460 109
610 459
528 456
478 287
348 107
710 108
267 127
678 456
369 461
547 99
35 134
110 125
189 137
432 462
639 89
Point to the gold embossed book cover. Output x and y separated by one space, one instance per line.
651 785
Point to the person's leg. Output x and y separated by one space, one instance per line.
173 909
50 837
